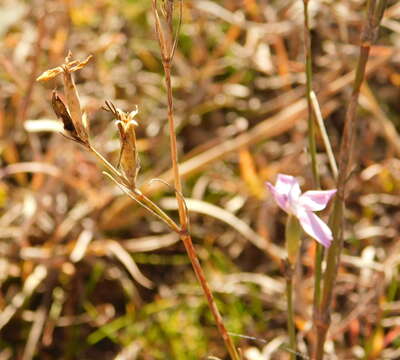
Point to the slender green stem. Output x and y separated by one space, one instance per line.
290 317
312 150
319 255
311 127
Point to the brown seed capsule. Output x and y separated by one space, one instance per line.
62 113
129 157
72 98
71 113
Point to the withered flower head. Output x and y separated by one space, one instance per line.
71 66
129 157
71 94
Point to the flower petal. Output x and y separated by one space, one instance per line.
286 192
280 199
315 227
316 200
285 184
294 196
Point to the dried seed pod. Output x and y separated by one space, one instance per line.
73 108
72 97
62 113
128 157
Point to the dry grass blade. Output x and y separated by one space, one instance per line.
43 125
123 256
388 129
35 333
33 167
79 250
208 209
129 352
76 214
324 134
150 243
30 284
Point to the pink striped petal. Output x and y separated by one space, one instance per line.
281 199
316 200
288 185
286 192
315 227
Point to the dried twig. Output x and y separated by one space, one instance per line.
168 42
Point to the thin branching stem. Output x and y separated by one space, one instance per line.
368 36
133 192
168 43
105 162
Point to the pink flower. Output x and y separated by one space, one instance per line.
289 198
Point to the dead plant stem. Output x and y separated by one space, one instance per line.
167 51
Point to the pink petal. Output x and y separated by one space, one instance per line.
294 196
286 192
315 227
316 200
280 199
286 184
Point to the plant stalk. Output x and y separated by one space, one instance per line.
369 33
167 51
184 221
290 314
319 252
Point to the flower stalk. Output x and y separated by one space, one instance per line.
319 253
375 10
288 272
292 241
300 209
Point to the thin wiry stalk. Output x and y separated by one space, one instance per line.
290 311
106 163
168 42
144 201
311 123
368 36
312 149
